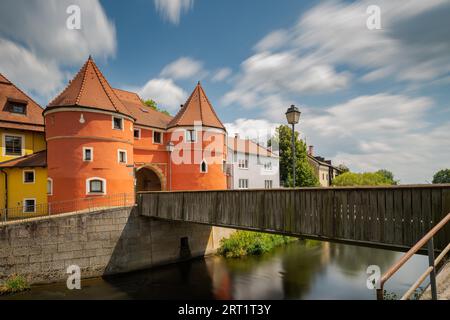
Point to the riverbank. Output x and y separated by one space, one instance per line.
245 243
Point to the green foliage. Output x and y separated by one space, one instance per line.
343 168
388 175
304 173
389 295
442 176
15 283
243 243
362 179
152 104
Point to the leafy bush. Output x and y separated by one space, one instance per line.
442 176
15 283
243 243
363 179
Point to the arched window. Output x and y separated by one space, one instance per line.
95 186
203 167
49 186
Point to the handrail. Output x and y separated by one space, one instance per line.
431 270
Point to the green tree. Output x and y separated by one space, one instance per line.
442 176
304 173
362 179
152 104
388 175
343 168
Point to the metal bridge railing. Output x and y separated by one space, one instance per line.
91 204
432 263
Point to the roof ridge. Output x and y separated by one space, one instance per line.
83 81
200 101
179 116
212 108
100 76
23 92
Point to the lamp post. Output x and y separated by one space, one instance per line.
169 147
293 116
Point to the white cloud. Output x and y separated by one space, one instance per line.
37 33
184 68
221 74
273 40
171 9
26 70
257 129
165 92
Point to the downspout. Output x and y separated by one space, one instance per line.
6 193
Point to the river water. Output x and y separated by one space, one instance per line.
303 269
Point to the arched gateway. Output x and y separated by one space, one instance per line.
149 179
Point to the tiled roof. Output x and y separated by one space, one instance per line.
32 120
249 147
89 89
143 114
38 159
197 108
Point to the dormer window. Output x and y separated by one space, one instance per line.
17 107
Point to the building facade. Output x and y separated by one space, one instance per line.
23 172
93 140
251 166
323 169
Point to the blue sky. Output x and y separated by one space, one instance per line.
369 98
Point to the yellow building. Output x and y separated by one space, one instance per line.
23 172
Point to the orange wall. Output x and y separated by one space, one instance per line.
65 155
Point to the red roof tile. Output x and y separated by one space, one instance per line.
37 159
32 120
89 89
197 108
143 114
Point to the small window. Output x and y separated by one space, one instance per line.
88 154
190 136
203 167
28 176
268 184
268 166
157 137
96 186
137 133
243 183
122 156
16 107
117 123
243 163
13 145
29 205
49 186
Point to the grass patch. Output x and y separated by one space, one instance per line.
15 283
244 243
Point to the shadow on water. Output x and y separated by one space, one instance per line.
301 270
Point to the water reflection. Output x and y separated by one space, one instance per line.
300 270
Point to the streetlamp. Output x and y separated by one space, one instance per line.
169 147
293 116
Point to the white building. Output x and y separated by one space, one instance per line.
251 166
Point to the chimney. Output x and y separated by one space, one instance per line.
311 151
236 135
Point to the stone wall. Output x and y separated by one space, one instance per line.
106 242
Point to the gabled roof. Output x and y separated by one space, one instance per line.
321 161
197 108
32 120
249 147
143 114
89 89
37 159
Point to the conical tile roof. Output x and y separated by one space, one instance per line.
89 89
197 108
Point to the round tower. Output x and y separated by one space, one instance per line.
198 158
89 135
